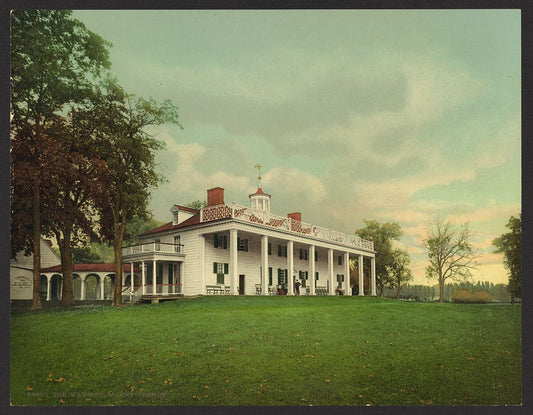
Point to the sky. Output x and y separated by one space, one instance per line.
407 116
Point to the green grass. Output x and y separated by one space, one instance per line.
268 351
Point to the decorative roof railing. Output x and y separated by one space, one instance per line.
235 211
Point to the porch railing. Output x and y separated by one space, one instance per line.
153 246
244 213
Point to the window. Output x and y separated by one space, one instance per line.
303 275
220 269
316 256
269 248
220 241
316 275
282 251
177 243
340 259
303 254
282 276
242 244
157 245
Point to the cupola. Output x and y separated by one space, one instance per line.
260 200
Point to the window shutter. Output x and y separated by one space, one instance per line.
226 268
340 260
306 274
269 248
215 267
238 244
286 277
316 256
225 242
301 254
246 245
279 250
316 275
285 251
279 276
270 276
215 240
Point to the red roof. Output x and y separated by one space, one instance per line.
169 226
259 191
91 268
186 209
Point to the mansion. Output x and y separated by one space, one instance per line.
238 250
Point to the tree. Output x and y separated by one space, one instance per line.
398 271
382 234
139 225
197 204
54 59
450 252
510 245
120 124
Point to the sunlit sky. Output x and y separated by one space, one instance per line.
405 116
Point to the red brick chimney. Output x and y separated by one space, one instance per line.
296 216
215 196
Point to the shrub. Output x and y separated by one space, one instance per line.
464 296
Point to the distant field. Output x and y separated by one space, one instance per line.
268 351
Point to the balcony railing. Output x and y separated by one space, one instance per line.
154 246
235 211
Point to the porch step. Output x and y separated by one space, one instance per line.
156 298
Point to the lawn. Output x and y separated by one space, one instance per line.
223 350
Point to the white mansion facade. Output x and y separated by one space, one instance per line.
232 249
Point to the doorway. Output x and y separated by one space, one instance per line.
241 284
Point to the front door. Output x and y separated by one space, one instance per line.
241 284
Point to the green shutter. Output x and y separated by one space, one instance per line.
215 240
238 244
316 275
226 268
215 267
269 275
246 245
316 256
301 254
279 276
285 251
306 275
286 277
340 260
279 250
225 242
269 248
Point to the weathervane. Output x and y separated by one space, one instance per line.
258 167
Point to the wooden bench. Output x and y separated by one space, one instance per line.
321 290
215 289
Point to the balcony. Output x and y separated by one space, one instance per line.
150 249
235 211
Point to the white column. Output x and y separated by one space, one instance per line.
166 280
311 278
154 279
101 286
233 271
143 279
48 286
201 253
132 278
264 265
373 274
348 287
290 267
332 282
82 279
361 280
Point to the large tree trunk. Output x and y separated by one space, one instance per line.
36 304
67 298
117 292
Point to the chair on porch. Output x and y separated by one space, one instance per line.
258 289
271 290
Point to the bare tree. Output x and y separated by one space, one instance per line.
450 252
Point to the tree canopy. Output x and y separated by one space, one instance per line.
382 234
451 254
54 62
510 245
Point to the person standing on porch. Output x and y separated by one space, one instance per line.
297 287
